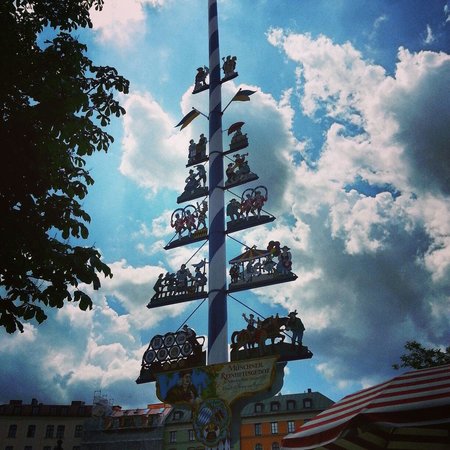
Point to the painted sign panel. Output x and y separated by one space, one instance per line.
210 392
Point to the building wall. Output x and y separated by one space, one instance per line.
38 427
265 423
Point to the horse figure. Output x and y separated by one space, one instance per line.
273 325
248 339
269 328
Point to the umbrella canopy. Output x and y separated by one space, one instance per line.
411 411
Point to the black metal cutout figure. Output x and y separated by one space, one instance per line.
197 151
238 140
189 224
180 286
252 341
247 212
238 172
195 185
256 268
200 80
229 68
180 350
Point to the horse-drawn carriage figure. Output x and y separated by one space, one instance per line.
267 337
257 267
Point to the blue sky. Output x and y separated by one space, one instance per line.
348 130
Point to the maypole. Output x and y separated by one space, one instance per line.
217 311
214 389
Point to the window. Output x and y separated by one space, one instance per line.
47 447
78 431
307 403
274 406
274 427
49 431
177 415
259 407
60 431
275 446
28 447
257 429
290 405
258 447
31 430
291 426
173 437
191 435
76 447
9 447
12 431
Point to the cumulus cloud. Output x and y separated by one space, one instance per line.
381 257
120 22
99 349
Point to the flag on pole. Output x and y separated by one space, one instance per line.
243 95
188 118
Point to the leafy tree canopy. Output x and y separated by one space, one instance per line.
54 105
419 357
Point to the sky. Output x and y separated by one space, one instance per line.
349 131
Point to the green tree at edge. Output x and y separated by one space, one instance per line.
55 104
419 357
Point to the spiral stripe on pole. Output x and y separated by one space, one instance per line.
217 309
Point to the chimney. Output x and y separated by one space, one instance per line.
309 390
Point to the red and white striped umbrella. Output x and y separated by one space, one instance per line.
411 411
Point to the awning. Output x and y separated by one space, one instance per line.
411 411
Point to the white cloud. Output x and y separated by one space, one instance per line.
429 38
152 148
381 261
120 22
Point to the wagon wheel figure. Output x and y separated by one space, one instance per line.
169 339
157 342
181 337
149 356
177 221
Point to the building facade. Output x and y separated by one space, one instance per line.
265 423
36 426
157 427
127 429
178 431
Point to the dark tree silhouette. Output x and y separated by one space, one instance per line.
54 105
419 357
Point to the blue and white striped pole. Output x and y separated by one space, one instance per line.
217 312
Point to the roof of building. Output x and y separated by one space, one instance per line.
318 402
17 408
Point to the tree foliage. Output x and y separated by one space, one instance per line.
54 104
419 357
